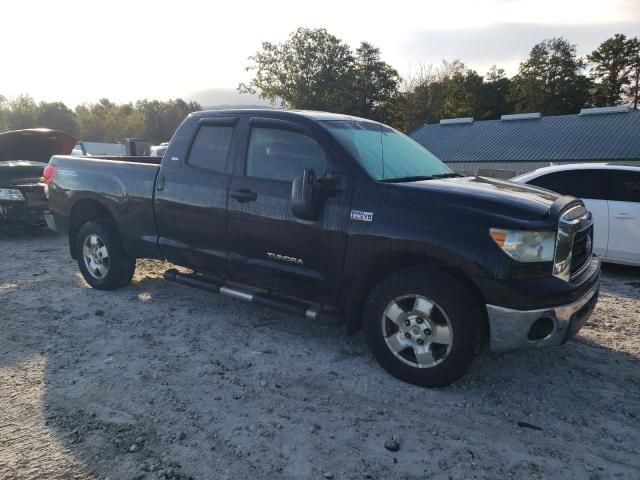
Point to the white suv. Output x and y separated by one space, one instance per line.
611 191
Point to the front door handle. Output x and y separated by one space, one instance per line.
244 195
624 216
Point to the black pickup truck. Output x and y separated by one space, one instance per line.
329 215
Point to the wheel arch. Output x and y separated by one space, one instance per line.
388 264
82 211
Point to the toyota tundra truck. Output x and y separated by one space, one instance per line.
332 216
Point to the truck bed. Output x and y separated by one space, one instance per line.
125 186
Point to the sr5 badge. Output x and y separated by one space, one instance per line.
360 216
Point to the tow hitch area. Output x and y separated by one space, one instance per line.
277 303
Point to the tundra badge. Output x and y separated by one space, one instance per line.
284 258
361 216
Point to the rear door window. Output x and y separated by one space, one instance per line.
593 184
625 186
210 148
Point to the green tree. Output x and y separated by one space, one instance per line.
93 122
103 121
550 80
311 70
123 121
24 113
162 118
453 91
4 113
632 89
375 85
416 95
464 95
610 68
58 116
496 95
445 92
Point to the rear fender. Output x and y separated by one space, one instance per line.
85 209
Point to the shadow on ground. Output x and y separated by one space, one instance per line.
160 381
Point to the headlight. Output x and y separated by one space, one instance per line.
10 194
526 246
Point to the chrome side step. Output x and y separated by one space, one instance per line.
289 306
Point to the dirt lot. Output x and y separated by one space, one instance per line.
161 381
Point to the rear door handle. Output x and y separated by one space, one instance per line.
244 195
624 216
160 182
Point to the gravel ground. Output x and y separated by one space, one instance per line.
161 381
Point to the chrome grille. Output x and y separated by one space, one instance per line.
574 243
581 250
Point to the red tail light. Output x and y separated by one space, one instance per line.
48 174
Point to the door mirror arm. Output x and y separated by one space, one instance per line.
330 181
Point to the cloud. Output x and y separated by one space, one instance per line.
504 44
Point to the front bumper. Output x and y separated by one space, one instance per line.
512 329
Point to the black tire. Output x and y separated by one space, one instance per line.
458 309
119 270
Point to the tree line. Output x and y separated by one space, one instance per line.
103 121
314 69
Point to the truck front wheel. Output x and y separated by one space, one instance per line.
424 327
101 257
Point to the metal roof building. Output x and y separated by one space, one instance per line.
519 143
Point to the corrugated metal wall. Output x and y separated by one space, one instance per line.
563 138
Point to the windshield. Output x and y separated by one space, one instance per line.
385 153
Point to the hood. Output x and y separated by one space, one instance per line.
36 144
501 197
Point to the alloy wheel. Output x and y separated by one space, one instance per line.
96 256
417 331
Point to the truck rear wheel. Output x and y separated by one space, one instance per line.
101 257
424 327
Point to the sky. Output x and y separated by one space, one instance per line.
80 51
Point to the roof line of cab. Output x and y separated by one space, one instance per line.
310 114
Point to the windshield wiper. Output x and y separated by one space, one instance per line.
408 179
447 175
416 178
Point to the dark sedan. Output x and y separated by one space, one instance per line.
23 156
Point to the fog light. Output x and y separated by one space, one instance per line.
541 329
